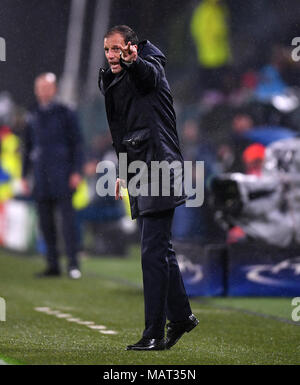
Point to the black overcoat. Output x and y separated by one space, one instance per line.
142 120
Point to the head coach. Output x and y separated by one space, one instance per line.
142 122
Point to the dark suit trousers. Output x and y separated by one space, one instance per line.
164 292
46 211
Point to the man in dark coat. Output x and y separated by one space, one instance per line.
142 122
53 149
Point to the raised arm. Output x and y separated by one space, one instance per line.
146 72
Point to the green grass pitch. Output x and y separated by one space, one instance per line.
231 330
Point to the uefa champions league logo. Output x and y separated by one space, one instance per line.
2 49
282 274
192 270
2 310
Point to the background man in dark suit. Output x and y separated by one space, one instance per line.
53 149
142 121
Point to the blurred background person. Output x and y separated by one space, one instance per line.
253 159
211 35
53 147
10 159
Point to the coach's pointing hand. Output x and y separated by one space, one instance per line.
128 52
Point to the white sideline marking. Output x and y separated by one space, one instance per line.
47 310
69 318
63 315
87 323
97 327
42 309
108 332
52 312
3 362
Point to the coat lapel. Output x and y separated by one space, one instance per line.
108 80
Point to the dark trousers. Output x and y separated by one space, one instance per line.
164 292
46 211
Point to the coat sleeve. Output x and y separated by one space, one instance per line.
75 141
27 148
146 73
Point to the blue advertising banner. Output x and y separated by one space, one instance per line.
256 269
202 269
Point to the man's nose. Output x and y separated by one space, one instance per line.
110 54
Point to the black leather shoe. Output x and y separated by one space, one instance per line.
175 330
148 344
49 272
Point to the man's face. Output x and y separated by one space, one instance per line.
112 51
45 90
